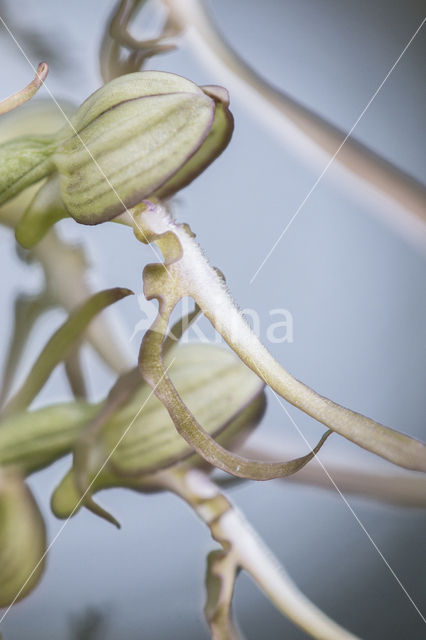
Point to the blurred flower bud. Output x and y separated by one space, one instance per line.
22 539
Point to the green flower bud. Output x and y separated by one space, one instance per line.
221 392
22 539
133 137
142 135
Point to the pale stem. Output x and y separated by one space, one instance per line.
25 94
199 280
391 193
229 527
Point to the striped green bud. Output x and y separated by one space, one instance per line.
132 138
142 135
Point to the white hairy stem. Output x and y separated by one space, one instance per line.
200 281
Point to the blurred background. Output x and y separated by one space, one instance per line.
355 290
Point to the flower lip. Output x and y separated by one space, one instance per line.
117 151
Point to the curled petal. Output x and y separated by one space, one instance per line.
45 209
60 346
189 274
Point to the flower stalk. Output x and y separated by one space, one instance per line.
245 550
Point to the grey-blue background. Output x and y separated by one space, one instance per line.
355 290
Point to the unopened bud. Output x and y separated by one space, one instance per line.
22 539
142 135
131 138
